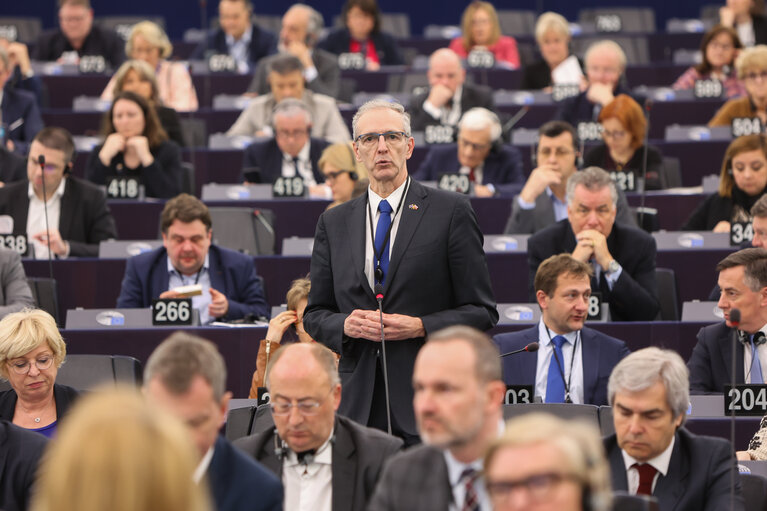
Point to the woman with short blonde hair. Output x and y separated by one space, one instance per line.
751 66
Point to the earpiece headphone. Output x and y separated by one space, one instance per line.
353 173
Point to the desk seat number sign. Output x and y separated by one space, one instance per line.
518 394
745 400
171 311
16 242
123 187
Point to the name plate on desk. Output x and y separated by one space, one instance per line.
9 32
458 183
743 126
626 180
741 232
123 187
608 23
589 131
481 59
288 187
221 63
518 394
711 88
351 61
563 91
92 64
16 242
439 134
745 400
595 307
171 311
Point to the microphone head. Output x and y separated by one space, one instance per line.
41 159
533 346
735 317
378 291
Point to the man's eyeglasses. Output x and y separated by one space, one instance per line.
475 147
291 133
48 167
306 407
391 138
559 152
23 366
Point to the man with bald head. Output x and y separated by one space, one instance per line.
326 461
449 96
301 28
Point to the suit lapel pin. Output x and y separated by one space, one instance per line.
414 207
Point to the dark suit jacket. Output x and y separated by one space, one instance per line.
471 96
414 480
85 218
698 477
760 28
537 75
171 123
237 482
162 179
20 453
634 296
579 109
101 41
359 454
12 166
437 272
266 155
501 167
600 353
337 42
231 273
328 80
64 397
710 364
21 117
262 43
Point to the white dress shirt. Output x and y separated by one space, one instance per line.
660 462
309 487
239 50
573 368
373 200
478 172
36 217
448 116
200 302
761 352
304 166
202 467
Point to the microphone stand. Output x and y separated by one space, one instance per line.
648 107
41 162
379 298
735 321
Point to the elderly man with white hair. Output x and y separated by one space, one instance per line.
480 154
650 453
605 64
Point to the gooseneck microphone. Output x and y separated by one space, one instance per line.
648 108
379 298
41 162
735 322
530 348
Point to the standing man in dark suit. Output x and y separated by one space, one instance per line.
458 399
584 357
326 461
20 118
743 285
237 37
436 275
301 29
230 286
20 453
186 375
480 153
77 37
291 152
623 257
650 453
449 96
78 215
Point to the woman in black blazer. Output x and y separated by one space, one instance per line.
136 146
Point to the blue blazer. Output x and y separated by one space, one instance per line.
231 273
262 43
237 482
502 168
21 118
266 155
389 54
600 354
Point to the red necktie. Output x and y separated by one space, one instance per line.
646 475
472 176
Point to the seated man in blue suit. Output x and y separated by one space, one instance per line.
650 452
21 119
230 287
291 152
480 153
237 37
573 361
186 375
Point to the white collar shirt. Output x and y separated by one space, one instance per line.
36 216
309 487
660 463
573 368
374 199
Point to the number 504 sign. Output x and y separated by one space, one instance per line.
750 400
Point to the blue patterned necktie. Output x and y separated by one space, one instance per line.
555 383
756 366
382 229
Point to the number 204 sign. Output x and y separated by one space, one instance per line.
748 400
